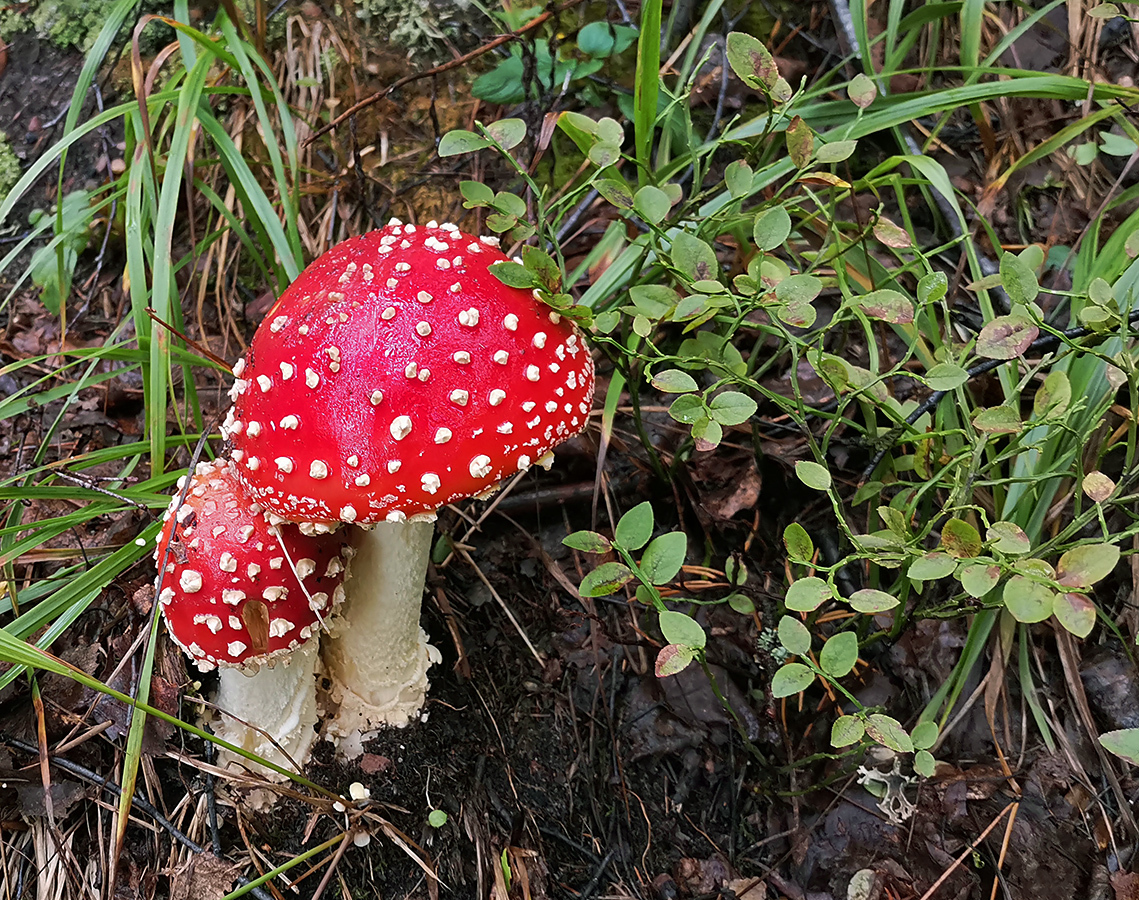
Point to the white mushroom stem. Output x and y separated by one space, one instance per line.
377 656
280 700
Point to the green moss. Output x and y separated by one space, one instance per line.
10 170
67 23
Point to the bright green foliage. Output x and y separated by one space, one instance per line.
10 168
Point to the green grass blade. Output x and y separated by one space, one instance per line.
162 284
646 88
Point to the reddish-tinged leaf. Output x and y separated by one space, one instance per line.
672 659
800 142
1097 486
751 61
891 235
1081 567
823 179
960 539
1006 337
887 305
1076 613
889 732
861 91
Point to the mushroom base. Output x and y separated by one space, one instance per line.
280 700
377 656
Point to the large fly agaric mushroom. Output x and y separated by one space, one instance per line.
249 598
396 375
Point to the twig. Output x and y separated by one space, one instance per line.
443 67
506 609
967 852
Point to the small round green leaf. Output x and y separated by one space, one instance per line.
800 142
997 420
616 192
635 527
834 152
651 204
738 177
772 226
870 602
732 408
508 132
1123 743
694 257
751 61
1053 396
889 732
932 287
931 567
794 636
707 434
603 154
839 654
813 475
847 730
887 305
924 764
1028 601
588 541
924 735
688 409
475 193
798 289
454 143
664 557
1018 280
678 628
674 381
799 545
791 679
946 377
436 818
979 579
606 579
861 91
807 594
1076 613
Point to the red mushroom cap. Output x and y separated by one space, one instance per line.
396 375
230 593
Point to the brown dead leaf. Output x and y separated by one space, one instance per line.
372 763
64 794
203 877
747 888
1125 885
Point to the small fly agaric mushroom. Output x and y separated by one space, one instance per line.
249 598
396 375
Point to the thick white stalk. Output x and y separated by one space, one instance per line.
377 656
280 700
